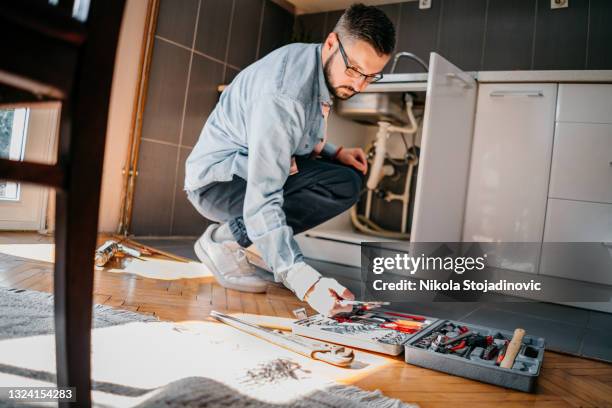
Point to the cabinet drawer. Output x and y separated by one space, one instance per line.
578 222
582 162
589 103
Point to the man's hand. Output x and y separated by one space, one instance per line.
324 295
355 157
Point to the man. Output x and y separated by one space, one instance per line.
255 168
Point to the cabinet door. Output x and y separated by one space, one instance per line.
578 241
509 173
445 153
582 162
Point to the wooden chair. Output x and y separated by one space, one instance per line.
49 55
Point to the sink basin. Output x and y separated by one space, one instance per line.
370 108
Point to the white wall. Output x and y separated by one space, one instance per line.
120 113
121 107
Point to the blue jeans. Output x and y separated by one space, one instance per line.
320 190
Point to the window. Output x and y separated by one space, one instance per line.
13 125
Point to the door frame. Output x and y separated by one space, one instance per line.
43 120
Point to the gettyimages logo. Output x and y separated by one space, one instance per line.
483 271
412 265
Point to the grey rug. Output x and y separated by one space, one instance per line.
25 313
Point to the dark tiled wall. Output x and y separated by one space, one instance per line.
193 53
199 44
494 34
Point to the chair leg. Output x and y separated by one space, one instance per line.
81 153
73 286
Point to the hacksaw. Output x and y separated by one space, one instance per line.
317 350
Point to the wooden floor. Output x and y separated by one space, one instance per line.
565 381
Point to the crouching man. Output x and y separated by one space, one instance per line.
263 169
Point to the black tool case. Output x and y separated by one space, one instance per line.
522 376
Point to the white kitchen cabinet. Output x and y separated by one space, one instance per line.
578 222
586 103
445 153
509 173
579 214
582 162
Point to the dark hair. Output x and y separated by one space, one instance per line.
369 24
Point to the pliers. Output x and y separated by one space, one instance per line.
400 327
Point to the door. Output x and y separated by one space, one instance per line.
26 133
445 153
508 188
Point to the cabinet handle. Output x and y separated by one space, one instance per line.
530 94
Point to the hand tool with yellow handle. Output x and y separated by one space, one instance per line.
513 348
317 350
408 323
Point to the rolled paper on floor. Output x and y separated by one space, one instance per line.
513 348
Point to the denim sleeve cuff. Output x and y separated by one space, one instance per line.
300 277
329 150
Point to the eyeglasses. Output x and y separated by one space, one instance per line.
354 72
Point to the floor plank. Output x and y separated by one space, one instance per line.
566 381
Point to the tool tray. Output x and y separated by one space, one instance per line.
522 376
359 335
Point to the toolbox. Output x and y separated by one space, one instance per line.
364 334
523 374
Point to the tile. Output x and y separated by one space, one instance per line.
417 33
462 32
176 20
559 336
186 220
276 30
330 21
202 96
181 247
212 35
600 320
393 12
166 92
245 32
335 269
152 199
310 28
230 74
597 344
439 310
186 251
509 35
561 36
549 311
600 35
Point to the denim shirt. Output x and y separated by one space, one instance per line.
270 112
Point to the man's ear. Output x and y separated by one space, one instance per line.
330 41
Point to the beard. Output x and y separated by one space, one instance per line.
341 92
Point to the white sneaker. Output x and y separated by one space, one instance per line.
228 263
